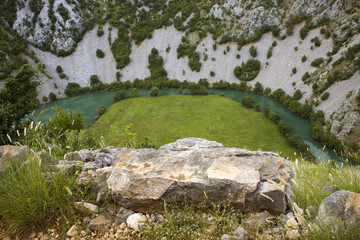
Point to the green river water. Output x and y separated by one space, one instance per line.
88 104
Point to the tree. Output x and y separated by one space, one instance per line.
52 96
258 88
120 95
154 91
297 95
247 102
247 71
100 53
94 79
17 98
253 51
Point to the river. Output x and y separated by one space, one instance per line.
88 104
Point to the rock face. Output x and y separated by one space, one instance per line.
202 172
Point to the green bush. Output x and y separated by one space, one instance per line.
247 102
100 53
44 98
212 73
304 58
52 96
101 110
154 92
297 95
325 96
238 56
269 53
120 95
100 32
59 69
253 51
317 62
294 70
247 71
94 79
258 88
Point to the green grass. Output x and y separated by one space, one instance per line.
165 119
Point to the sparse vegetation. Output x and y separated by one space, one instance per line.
247 71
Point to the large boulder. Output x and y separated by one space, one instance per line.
8 152
202 172
339 209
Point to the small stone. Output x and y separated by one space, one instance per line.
72 231
85 207
228 237
330 189
240 232
136 221
292 234
83 233
292 224
122 215
257 219
122 225
99 222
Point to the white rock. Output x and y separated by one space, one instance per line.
136 221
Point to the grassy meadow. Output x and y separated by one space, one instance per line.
165 119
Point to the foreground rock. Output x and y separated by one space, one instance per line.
202 172
339 209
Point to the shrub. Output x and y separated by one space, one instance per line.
62 75
134 92
154 91
297 95
253 51
325 96
52 96
247 71
101 110
100 32
212 73
94 79
100 53
274 43
247 102
119 95
317 62
238 56
257 107
59 69
304 58
258 88
269 53
44 98
294 70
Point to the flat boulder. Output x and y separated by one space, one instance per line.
201 172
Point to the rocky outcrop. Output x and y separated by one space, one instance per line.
196 170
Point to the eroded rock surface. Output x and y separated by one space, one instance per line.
202 172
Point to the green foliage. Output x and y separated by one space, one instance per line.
155 66
297 95
253 51
120 95
317 62
325 96
17 98
134 92
94 79
269 53
188 49
247 71
44 98
184 221
52 96
197 89
101 110
212 73
59 69
294 70
63 122
258 88
100 31
33 195
63 12
100 53
238 56
304 58
154 92
247 102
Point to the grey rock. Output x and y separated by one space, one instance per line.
331 210
83 155
202 171
99 223
122 215
8 152
86 208
257 219
46 158
330 189
228 237
240 232
352 209
103 159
